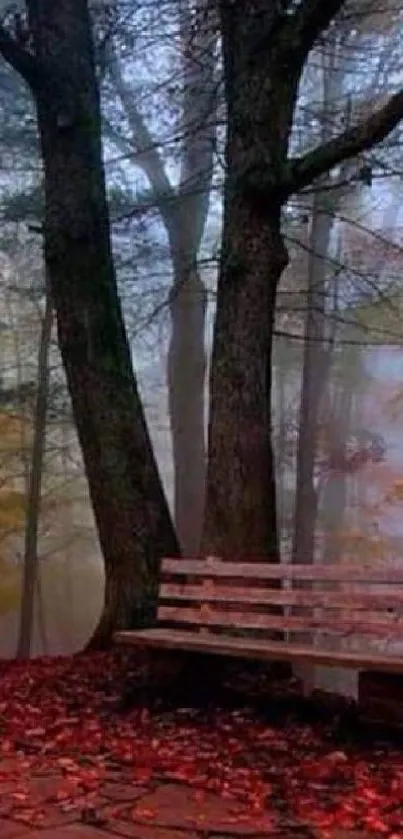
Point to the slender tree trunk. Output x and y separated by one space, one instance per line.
186 373
314 375
68 525
131 513
186 367
314 378
30 569
334 497
280 382
316 355
40 602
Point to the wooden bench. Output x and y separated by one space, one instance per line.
347 615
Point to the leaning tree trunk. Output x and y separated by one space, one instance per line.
131 513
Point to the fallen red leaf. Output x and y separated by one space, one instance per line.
57 717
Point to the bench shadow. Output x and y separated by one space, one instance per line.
203 683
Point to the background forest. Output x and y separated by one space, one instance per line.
337 391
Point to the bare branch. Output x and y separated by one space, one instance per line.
147 154
19 59
304 170
199 112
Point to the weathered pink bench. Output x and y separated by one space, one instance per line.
235 608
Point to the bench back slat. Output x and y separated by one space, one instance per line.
346 600
206 616
358 572
215 592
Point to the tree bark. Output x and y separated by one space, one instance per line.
240 515
131 513
240 518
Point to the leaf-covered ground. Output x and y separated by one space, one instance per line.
59 719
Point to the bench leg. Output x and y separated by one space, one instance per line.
200 680
177 678
380 697
193 680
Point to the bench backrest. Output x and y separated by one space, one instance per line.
212 595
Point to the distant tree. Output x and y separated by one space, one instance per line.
183 209
335 63
35 474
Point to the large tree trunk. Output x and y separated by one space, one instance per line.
132 517
240 518
240 515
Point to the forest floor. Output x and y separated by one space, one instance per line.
74 763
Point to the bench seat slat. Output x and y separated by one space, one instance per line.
216 593
348 573
248 620
250 648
